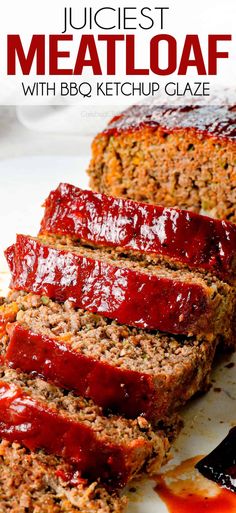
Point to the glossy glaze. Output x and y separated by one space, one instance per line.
184 491
175 235
71 476
129 296
32 423
126 392
217 121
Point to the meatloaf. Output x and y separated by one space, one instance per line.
173 156
125 370
132 293
41 483
39 415
174 237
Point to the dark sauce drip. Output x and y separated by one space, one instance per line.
217 121
220 465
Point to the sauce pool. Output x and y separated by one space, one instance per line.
184 490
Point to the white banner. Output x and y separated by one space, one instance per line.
101 53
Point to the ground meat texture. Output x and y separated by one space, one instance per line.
133 293
41 483
125 370
174 237
183 157
42 416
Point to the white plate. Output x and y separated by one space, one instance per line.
24 184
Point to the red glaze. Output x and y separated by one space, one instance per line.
32 423
217 121
131 297
178 235
129 393
71 477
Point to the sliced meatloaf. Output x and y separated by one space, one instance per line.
39 415
133 293
125 370
41 483
173 156
153 233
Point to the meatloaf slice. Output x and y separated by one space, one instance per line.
41 483
173 156
176 237
41 416
125 370
133 293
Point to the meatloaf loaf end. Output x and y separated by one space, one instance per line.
124 370
175 237
133 293
39 415
41 483
177 156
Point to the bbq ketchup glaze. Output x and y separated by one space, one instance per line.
126 392
28 421
217 121
178 236
139 299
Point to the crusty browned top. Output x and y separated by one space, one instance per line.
213 120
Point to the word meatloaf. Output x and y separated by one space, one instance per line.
39 415
143 296
41 483
184 155
148 232
124 370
